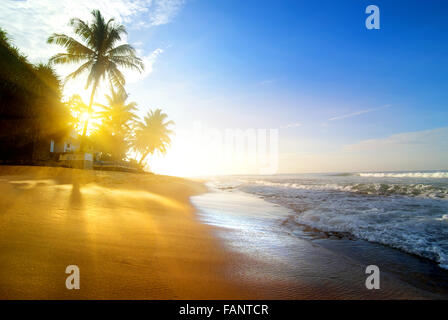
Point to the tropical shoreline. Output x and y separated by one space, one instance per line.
307 264
138 236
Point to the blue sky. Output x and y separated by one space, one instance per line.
310 68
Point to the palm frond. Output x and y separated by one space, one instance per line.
78 71
116 76
66 58
82 29
124 49
129 62
70 44
114 34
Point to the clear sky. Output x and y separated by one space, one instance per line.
344 98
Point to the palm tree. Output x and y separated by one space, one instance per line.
98 52
152 134
79 111
118 118
117 112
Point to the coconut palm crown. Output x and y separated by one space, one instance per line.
152 134
99 52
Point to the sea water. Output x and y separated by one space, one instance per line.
402 210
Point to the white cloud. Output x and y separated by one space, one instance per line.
357 113
434 138
165 10
149 60
30 22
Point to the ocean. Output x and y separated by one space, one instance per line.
403 210
398 220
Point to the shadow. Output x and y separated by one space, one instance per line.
75 196
29 178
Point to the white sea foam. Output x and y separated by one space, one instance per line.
423 237
434 175
413 190
407 214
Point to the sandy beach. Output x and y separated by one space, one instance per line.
137 236
133 236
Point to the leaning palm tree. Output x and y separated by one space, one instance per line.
99 52
152 134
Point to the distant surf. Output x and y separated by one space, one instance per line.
433 175
422 174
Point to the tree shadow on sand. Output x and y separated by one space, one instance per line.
75 199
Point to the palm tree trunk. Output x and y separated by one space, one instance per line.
86 123
143 157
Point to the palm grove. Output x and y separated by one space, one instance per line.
32 109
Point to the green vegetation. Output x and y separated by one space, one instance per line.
33 111
152 134
118 117
99 55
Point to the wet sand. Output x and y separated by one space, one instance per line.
137 236
286 262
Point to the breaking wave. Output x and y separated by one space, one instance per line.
433 175
423 236
384 189
403 213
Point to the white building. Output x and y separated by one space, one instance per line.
68 144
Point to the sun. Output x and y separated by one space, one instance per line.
85 116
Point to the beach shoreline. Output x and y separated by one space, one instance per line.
145 236
288 263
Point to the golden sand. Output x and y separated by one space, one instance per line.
133 236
